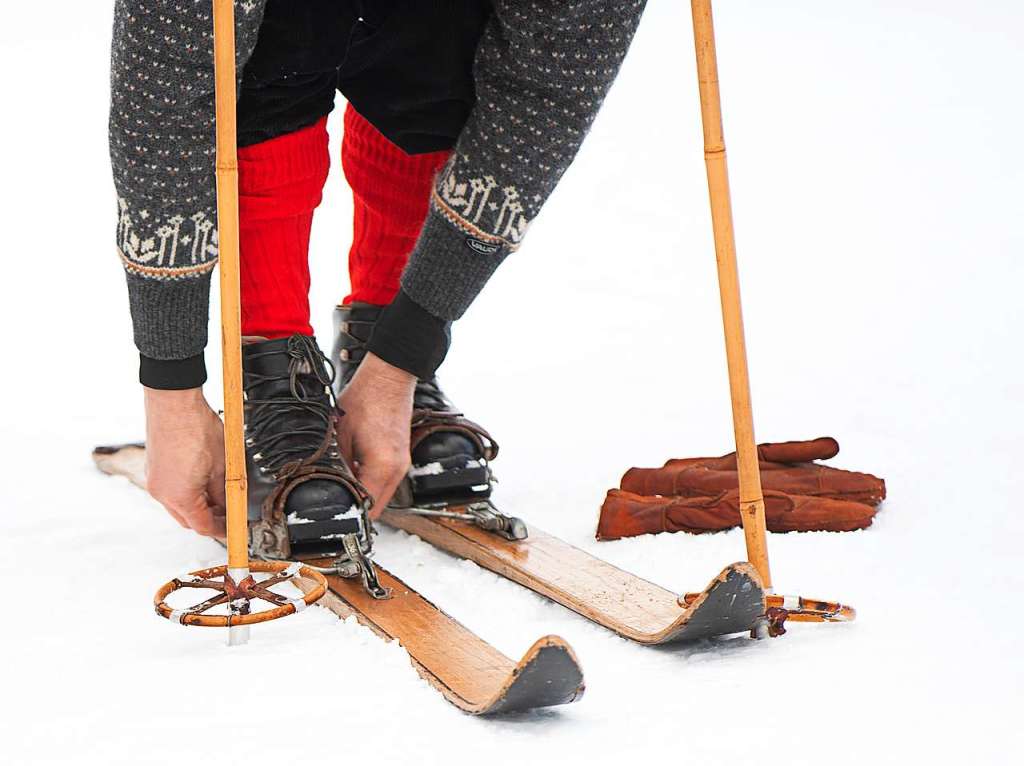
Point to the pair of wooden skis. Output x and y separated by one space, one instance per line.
467 670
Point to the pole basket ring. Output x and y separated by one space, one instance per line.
799 609
783 609
239 597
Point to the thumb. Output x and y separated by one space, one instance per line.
215 492
216 500
822 448
201 517
381 480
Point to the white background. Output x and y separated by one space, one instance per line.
877 170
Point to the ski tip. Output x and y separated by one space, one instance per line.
103 457
741 570
744 568
548 675
128 460
733 602
113 449
552 642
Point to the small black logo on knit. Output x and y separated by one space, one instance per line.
481 247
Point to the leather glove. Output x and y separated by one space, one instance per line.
625 514
785 467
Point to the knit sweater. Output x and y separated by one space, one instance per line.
542 71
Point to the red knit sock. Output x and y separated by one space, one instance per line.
280 184
391 191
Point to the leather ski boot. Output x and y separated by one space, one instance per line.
451 455
303 498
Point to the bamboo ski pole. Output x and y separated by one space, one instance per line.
238 588
230 308
751 496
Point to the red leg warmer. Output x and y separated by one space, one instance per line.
280 184
391 191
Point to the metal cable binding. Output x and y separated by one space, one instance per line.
360 565
355 562
482 514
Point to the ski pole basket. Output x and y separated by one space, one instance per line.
783 609
239 596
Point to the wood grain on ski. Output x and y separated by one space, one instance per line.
468 671
622 602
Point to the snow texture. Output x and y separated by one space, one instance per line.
430 469
877 171
435 469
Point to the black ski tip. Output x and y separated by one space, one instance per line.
732 603
113 449
548 675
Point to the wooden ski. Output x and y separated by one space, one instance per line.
634 608
733 602
468 671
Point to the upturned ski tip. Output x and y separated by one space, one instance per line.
548 675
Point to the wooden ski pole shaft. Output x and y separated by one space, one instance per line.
237 587
230 308
751 496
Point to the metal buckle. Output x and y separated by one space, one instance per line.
360 565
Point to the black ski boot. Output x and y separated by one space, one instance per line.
303 498
450 455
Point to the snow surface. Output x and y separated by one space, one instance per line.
877 170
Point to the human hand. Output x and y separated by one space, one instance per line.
374 430
185 459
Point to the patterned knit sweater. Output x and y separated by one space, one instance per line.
542 72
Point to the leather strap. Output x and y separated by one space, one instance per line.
293 474
427 422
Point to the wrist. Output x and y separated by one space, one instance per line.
387 374
178 400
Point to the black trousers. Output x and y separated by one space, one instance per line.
405 65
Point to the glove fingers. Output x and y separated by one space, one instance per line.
808 479
625 514
796 513
824 481
650 481
726 463
822 448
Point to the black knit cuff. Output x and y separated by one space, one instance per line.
410 337
172 374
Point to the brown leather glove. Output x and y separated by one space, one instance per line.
625 514
785 468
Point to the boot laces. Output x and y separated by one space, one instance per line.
308 437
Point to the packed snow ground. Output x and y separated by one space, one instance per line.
877 171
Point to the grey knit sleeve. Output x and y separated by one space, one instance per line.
162 148
542 72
